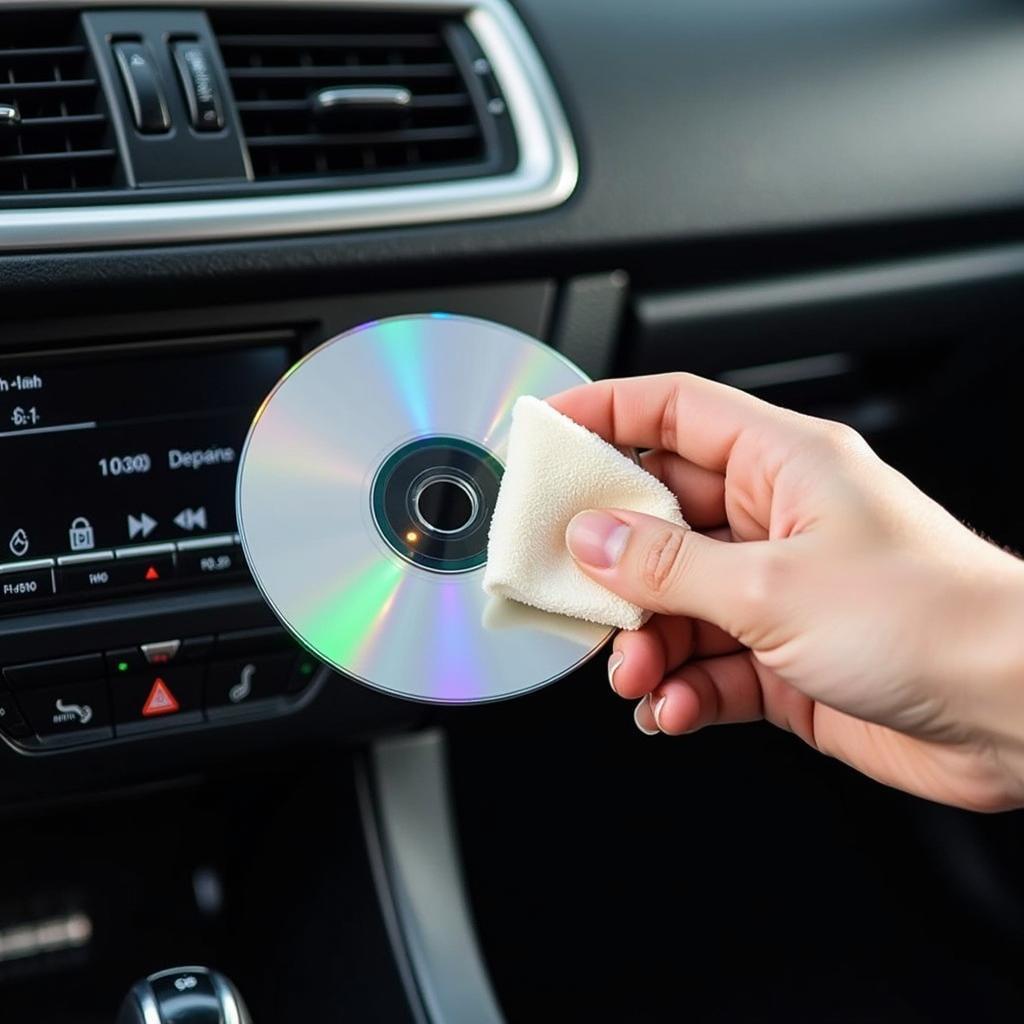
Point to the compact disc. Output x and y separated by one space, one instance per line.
365 492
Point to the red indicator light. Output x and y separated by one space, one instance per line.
152 574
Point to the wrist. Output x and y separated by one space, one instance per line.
982 656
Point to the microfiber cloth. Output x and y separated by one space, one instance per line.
555 468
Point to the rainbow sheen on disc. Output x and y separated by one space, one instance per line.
365 490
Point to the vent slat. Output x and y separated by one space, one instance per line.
368 138
342 72
63 140
62 85
438 102
277 61
81 154
423 40
67 119
41 51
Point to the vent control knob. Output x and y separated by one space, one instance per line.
195 70
360 97
143 88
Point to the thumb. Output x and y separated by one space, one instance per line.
667 568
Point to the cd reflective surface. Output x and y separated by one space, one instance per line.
365 491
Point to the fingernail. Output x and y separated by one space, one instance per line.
596 539
656 706
614 662
636 718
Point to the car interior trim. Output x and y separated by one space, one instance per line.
385 896
417 832
931 273
545 176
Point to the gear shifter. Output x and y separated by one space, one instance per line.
184 995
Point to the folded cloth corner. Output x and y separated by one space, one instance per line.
555 468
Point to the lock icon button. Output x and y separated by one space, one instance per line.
80 535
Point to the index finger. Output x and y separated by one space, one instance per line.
697 418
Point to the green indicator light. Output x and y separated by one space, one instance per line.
122 666
306 668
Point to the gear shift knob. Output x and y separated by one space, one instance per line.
184 995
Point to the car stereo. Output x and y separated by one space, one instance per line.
119 474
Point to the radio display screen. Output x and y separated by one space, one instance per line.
100 451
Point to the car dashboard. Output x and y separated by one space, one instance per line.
819 204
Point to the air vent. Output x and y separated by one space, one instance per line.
54 131
344 95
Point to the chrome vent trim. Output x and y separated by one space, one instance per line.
545 175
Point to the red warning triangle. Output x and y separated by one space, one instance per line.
160 700
152 574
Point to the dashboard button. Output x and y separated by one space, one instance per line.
211 562
150 571
56 670
88 578
161 697
20 585
160 652
12 722
73 713
234 684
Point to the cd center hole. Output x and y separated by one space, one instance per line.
446 505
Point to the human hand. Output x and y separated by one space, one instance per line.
819 589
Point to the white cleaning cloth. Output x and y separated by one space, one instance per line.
555 468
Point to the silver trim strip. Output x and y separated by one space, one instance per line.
86 556
417 836
31 563
145 550
385 897
219 540
545 176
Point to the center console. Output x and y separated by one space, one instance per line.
124 462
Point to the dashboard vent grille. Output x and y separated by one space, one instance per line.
54 130
328 94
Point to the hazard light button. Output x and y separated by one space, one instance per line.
159 698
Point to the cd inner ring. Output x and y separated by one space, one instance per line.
432 501
443 498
